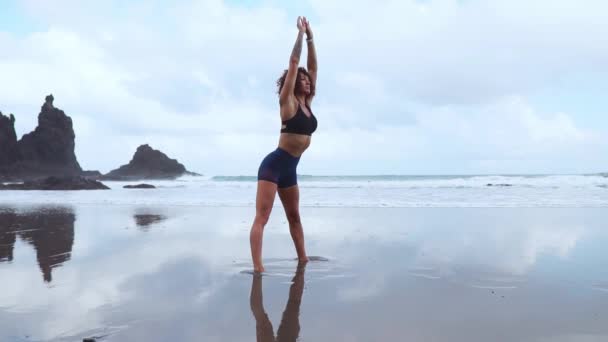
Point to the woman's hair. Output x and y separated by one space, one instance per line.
281 81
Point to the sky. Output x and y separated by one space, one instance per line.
404 86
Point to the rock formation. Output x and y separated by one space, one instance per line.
148 163
47 151
8 141
57 183
140 186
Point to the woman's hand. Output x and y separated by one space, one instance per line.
302 24
308 29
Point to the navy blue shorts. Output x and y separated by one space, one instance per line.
279 167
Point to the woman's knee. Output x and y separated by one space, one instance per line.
262 216
293 216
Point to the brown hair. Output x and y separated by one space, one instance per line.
281 82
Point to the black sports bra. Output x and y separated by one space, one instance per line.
300 123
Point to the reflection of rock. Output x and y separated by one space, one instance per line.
140 186
57 183
500 184
7 243
7 235
148 163
50 231
146 220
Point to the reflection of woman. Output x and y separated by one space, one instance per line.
277 172
289 329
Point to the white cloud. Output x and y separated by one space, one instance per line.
403 84
463 52
462 137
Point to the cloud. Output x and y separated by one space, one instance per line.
452 51
403 84
462 138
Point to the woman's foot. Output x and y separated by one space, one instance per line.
258 269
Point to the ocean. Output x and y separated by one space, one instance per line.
349 191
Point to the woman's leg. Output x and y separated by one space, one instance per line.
289 329
263 206
263 326
290 197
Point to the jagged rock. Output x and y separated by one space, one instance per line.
148 163
49 149
46 151
94 174
57 183
8 141
140 186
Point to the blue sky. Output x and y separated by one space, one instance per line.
14 20
405 87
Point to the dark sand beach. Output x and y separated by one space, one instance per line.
141 273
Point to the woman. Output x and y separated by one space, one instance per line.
289 329
277 172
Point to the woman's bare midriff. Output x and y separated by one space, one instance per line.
295 144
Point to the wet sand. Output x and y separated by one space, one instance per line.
125 273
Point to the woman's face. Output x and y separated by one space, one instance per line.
304 83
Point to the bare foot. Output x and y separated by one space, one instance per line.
303 260
258 269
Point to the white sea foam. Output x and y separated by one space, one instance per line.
350 191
